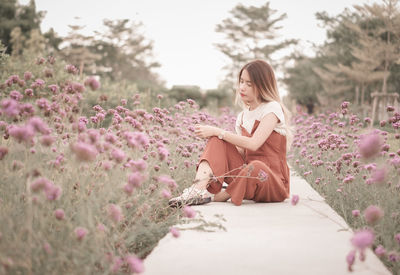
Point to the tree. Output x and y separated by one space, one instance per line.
385 35
77 50
302 82
250 33
13 15
125 53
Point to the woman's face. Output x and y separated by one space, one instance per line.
247 90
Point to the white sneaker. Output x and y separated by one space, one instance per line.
191 196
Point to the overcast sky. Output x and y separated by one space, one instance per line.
183 31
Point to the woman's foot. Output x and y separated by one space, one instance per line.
191 196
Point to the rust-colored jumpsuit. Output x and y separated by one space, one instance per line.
267 168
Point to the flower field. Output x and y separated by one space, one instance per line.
356 169
84 188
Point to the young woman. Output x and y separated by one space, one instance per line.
251 161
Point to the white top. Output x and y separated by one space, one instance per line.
249 117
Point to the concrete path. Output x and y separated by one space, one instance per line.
264 238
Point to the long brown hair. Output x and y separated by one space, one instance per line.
263 79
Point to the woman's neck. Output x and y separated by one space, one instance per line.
253 105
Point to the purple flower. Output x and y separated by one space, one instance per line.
71 69
115 213
397 238
22 133
380 251
135 264
135 179
355 213
27 76
363 239
175 232
118 155
373 214
165 193
93 83
3 152
29 92
39 126
39 184
350 258
10 107
59 214
53 192
379 175
189 212
370 145
80 233
295 199
84 151
16 95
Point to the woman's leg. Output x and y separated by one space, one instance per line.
222 196
203 175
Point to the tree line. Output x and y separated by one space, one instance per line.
360 56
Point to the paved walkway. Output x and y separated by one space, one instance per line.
264 238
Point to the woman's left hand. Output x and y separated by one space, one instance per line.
205 131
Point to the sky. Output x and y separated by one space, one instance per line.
183 31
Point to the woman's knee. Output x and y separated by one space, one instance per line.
257 164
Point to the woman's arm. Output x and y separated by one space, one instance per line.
264 129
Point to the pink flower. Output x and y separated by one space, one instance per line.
3 152
295 199
22 133
118 155
393 256
16 95
101 227
53 192
380 251
175 232
39 184
93 83
84 151
117 264
162 153
128 189
135 179
355 213
189 212
370 145
39 126
59 214
397 238
348 179
107 165
80 233
389 108
345 104
167 180
27 76
362 239
115 213
379 175
71 69
47 140
135 264
139 165
47 248
10 107
166 194
373 214
350 259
